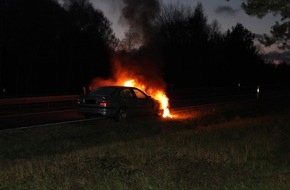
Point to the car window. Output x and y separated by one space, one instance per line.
103 91
139 94
126 93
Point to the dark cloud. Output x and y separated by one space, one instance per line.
227 10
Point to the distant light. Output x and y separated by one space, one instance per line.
258 92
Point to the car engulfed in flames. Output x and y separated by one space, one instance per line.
158 95
146 87
118 102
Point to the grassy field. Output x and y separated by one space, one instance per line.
233 146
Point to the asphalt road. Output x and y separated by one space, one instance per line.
46 117
39 117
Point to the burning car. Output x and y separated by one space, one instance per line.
118 102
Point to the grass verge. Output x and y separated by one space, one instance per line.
241 147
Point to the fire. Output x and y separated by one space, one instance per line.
159 95
130 83
134 74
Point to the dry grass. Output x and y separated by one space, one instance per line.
207 148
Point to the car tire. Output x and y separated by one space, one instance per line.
158 113
121 115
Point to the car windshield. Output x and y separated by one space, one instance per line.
103 91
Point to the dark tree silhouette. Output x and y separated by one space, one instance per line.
47 49
243 61
92 42
181 37
196 53
260 8
29 34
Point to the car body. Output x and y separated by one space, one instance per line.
117 102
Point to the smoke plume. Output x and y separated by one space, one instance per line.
138 15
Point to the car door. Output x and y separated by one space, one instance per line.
130 101
144 103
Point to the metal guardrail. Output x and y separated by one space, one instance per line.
176 94
10 106
33 100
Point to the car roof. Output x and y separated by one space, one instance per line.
116 86
121 87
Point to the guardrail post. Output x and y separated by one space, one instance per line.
258 92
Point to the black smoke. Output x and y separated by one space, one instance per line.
138 15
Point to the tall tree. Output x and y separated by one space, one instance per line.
181 35
46 48
93 40
91 21
243 61
260 8
29 32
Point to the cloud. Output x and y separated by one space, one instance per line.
226 10
273 53
278 56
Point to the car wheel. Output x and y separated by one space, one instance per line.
158 113
121 114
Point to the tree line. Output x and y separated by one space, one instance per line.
51 48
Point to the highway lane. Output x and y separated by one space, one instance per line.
31 119
38 118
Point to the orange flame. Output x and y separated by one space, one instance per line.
156 94
129 74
